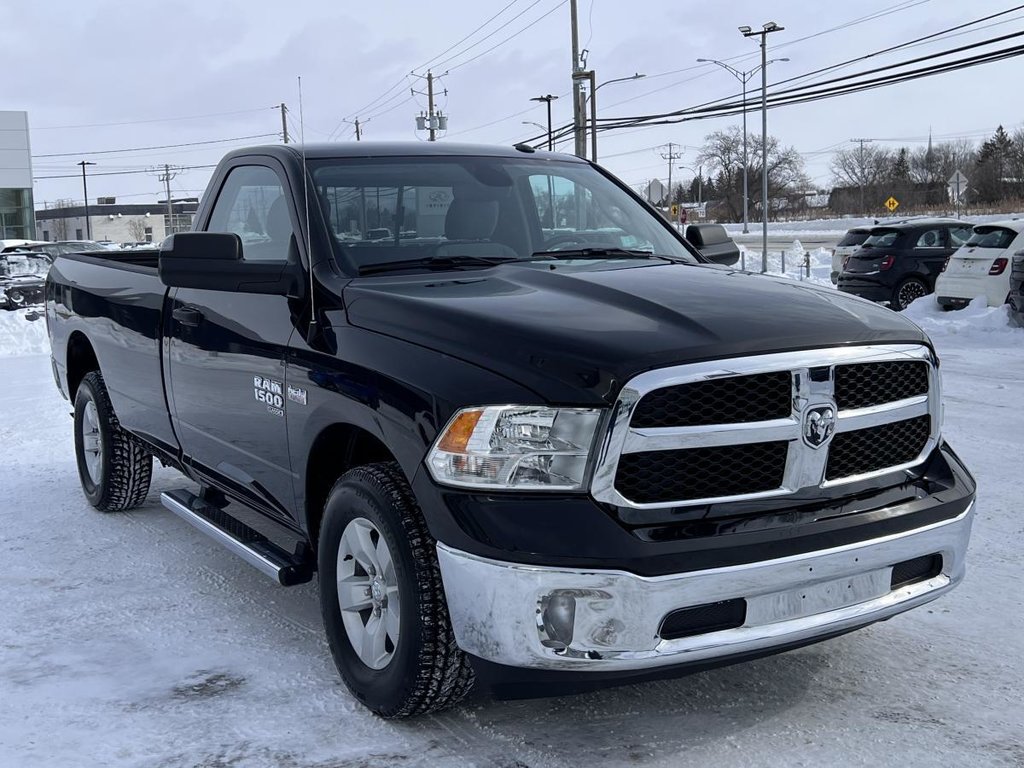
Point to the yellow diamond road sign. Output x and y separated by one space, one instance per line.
892 204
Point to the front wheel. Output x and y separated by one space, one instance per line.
908 291
382 598
115 471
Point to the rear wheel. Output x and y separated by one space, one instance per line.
114 470
909 290
382 598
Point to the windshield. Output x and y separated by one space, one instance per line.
17 265
853 237
474 209
881 238
991 237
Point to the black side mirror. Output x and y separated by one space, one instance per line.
214 261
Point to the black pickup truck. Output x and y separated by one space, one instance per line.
529 438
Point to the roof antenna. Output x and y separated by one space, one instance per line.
309 239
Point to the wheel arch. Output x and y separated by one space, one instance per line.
81 359
338 448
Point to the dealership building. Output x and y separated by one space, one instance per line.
16 220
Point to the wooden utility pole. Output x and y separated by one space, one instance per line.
284 122
578 107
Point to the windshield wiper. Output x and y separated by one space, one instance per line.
439 262
603 253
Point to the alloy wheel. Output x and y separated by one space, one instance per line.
368 593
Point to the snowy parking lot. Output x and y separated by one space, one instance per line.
132 640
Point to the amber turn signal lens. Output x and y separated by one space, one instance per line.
456 437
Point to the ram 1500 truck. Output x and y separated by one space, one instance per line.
527 438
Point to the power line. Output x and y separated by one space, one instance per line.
430 62
510 37
123 173
488 36
161 146
150 120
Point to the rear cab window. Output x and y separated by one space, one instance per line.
852 238
991 237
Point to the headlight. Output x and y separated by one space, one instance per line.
512 447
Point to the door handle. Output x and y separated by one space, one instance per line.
187 315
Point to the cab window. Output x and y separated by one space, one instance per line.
252 204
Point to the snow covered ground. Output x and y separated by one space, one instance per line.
132 640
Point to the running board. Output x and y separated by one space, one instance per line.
249 544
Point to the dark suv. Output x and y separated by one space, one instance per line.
899 262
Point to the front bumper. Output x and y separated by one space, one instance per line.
500 610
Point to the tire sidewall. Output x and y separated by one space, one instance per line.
94 492
383 690
899 287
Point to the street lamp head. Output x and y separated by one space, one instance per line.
745 30
549 98
771 26
638 76
782 59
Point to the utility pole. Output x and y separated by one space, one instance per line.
433 120
164 174
85 196
671 156
578 107
284 122
766 30
359 135
430 104
861 170
548 99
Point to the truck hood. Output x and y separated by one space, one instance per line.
576 334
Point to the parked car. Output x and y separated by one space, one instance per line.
713 242
898 263
845 248
22 278
535 461
1017 289
981 267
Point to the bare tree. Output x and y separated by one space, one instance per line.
722 156
59 223
935 164
863 166
137 230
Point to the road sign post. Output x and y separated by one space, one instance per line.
957 189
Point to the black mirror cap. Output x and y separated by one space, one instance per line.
219 246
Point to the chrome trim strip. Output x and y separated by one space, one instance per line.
494 605
877 415
805 465
674 438
250 556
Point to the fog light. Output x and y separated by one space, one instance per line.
557 616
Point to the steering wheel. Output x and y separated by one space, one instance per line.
569 239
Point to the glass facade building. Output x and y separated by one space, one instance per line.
17 219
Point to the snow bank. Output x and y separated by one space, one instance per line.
19 336
976 321
820 258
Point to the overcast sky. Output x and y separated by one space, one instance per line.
97 76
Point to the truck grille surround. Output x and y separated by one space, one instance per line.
768 426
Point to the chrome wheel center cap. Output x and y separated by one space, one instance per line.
377 591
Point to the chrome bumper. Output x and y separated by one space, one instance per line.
610 620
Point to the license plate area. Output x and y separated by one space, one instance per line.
817 598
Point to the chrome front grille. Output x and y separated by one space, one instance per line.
721 431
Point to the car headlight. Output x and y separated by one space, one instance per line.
515 447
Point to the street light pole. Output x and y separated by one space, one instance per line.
765 30
744 78
85 196
591 75
548 98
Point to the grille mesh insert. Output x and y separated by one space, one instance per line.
732 400
867 384
652 477
874 448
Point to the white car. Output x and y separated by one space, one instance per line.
981 267
851 242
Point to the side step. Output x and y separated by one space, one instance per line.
249 544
